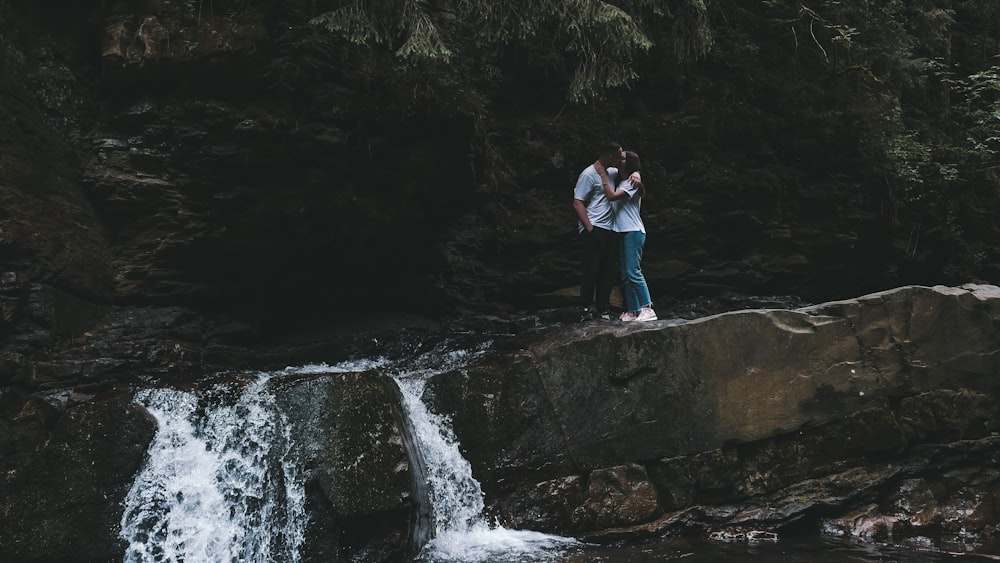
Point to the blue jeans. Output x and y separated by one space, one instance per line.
634 287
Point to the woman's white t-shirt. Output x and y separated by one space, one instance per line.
627 216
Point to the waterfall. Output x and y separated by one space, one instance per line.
461 532
456 497
218 484
221 484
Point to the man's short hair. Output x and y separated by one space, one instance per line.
610 146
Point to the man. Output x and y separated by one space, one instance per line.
596 226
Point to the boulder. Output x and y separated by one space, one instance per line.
68 461
749 418
360 484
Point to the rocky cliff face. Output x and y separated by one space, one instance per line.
197 168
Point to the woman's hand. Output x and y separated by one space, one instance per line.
635 178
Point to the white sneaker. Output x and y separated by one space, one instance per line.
646 314
627 316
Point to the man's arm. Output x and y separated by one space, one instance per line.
581 212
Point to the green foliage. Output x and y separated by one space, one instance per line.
898 101
353 22
979 102
405 24
423 41
895 103
598 40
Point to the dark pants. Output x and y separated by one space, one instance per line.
600 267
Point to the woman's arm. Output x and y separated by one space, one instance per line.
611 193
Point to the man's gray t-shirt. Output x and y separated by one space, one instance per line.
590 190
627 217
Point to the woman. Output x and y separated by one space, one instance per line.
627 197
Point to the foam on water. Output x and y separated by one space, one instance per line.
461 531
342 367
456 496
218 484
484 544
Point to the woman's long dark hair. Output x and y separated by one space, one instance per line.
632 164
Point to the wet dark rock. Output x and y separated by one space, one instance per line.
766 419
360 493
68 461
832 418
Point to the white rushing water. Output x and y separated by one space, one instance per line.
461 531
218 485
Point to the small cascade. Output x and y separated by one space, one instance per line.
456 496
221 482
218 484
461 532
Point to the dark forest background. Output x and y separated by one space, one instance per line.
279 161
822 149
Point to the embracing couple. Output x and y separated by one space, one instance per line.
606 200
